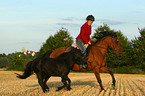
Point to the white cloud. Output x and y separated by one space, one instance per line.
72 19
68 24
110 22
25 22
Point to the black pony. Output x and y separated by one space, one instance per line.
45 67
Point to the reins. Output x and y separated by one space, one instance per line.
100 47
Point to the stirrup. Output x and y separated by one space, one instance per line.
83 66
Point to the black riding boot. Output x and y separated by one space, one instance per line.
85 60
83 64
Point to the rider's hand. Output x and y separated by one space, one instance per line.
89 42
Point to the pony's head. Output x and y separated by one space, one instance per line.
114 44
77 54
110 39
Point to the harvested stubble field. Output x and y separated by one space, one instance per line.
83 84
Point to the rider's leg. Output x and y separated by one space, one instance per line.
81 46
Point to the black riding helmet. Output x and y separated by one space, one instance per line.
90 17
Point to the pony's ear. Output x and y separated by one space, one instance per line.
115 34
73 50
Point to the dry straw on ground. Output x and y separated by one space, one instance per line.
83 84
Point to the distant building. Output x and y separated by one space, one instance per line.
23 50
28 52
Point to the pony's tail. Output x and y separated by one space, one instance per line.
27 72
32 64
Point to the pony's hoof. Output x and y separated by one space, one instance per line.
113 86
58 89
102 90
69 89
47 90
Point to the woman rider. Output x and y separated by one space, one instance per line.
85 32
84 35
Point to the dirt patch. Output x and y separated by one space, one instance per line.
2 69
83 84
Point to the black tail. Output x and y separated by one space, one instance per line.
29 68
28 71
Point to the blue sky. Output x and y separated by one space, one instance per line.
28 23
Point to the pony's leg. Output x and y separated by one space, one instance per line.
63 80
104 69
45 81
41 83
97 74
69 84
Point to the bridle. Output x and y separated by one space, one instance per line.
103 48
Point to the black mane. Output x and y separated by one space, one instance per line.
103 34
70 52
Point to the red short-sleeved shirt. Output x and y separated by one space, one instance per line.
85 33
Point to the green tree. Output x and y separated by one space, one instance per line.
16 62
138 44
61 39
4 60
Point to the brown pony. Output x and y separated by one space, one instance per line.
97 55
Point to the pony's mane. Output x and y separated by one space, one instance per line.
63 55
66 54
103 34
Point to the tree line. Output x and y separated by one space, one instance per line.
132 59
